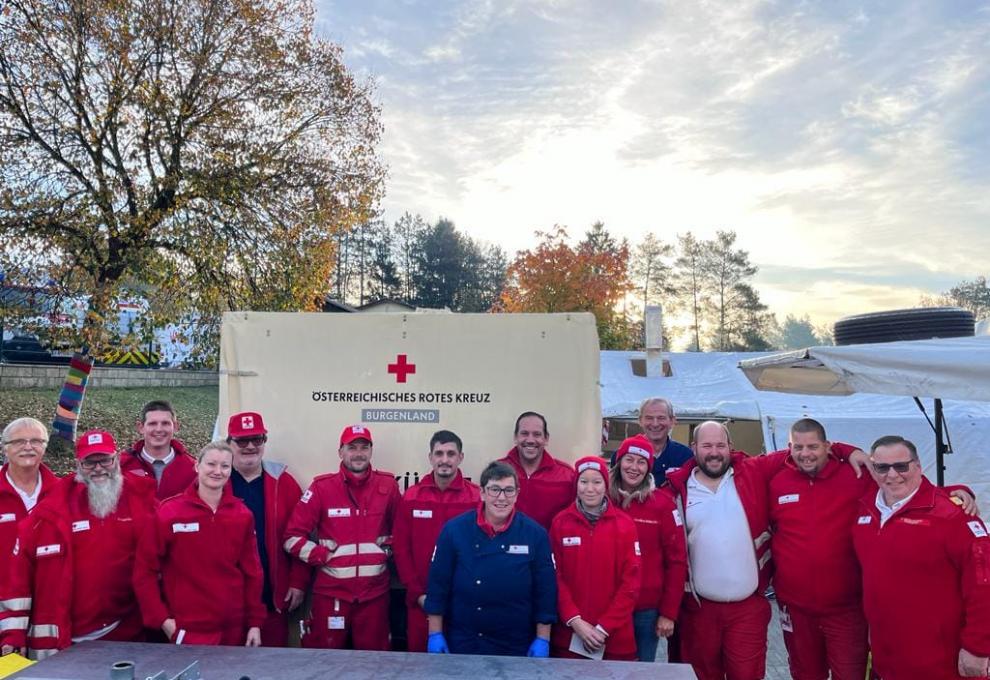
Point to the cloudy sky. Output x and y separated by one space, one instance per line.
848 144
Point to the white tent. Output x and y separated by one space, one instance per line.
711 385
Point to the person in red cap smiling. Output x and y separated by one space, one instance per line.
598 571
271 494
351 513
197 573
71 569
661 541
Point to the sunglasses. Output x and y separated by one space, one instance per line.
248 441
900 466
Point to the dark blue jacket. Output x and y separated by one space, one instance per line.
492 591
674 455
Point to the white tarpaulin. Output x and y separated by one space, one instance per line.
951 368
406 376
711 385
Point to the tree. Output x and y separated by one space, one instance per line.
725 268
556 277
407 232
750 325
972 295
797 333
689 281
650 271
203 152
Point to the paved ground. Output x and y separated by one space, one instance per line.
776 654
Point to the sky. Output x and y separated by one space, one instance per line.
847 144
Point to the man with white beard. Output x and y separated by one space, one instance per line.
71 571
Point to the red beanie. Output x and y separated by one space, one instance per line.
637 446
592 463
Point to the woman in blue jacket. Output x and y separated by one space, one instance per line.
492 585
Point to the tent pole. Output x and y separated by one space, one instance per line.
939 444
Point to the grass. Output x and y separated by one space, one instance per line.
116 410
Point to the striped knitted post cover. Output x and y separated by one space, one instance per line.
71 398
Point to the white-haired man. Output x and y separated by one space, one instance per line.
71 570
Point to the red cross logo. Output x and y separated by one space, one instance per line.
247 422
401 368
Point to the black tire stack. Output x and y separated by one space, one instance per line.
905 324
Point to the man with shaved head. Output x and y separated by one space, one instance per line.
722 498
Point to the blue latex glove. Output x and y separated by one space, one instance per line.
436 643
539 649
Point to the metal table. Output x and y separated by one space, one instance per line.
92 660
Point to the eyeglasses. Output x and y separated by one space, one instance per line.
496 491
249 441
20 443
93 463
900 466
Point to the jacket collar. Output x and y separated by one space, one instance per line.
430 480
546 460
485 526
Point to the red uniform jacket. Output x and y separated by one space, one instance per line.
72 570
352 520
548 491
423 511
926 585
177 475
11 512
282 494
664 553
815 566
199 567
598 576
752 475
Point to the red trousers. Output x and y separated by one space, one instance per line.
417 628
819 643
725 640
334 623
275 630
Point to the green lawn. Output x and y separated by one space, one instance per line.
117 410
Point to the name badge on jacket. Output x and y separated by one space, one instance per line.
81 525
518 549
423 514
572 540
53 549
789 498
8 517
190 528
338 512
864 519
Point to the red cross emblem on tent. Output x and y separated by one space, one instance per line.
401 368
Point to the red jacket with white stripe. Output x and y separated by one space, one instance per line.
423 511
815 566
664 553
547 491
752 475
71 574
926 584
177 475
598 575
200 567
352 521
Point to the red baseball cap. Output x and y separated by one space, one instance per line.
93 442
596 463
246 424
352 432
637 445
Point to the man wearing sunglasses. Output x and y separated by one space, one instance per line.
271 494
926 573
71 572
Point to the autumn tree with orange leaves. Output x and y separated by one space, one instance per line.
589 277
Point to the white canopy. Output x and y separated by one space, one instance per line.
952 368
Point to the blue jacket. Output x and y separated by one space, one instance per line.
674 455
492 591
